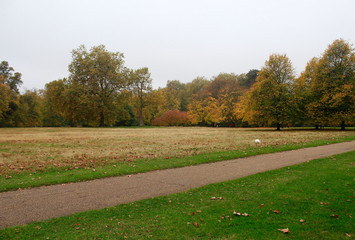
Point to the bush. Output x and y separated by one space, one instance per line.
172 118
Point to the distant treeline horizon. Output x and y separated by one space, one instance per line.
100 91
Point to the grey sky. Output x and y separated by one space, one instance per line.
176 40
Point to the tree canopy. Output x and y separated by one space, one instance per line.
269 100
102 91
9 93
97 76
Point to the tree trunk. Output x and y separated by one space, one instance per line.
343 125
317 127
102 119
141 122
278 127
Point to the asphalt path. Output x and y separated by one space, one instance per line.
38 204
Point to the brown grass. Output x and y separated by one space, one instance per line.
39 148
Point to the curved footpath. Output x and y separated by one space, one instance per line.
37 204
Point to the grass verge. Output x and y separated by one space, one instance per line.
314 200
64 175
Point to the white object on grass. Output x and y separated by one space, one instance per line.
257 141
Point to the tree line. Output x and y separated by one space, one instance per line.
102 91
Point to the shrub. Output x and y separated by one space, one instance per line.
172 118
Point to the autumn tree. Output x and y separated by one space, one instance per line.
193 90
96 77
172 118
175 97
9 77
29 112
205 111
332 85
303 97
54 103
142 85
197 85
9 94
224 88
156 104
270 97
4 99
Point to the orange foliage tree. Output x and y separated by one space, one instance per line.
172 118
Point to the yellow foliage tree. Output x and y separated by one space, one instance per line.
332 85
269 100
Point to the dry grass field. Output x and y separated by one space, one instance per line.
34 149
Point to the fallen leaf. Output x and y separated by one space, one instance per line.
199 211
196 224
245 214
348 235
302 220
286 230
334 216
220 198
213 198
276 211
236 213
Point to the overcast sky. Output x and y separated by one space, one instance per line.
176 39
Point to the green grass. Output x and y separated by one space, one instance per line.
312 191
64 175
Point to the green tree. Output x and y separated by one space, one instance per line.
142 85
269 100
247 80
96 77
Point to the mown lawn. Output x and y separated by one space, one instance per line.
314 200
32 157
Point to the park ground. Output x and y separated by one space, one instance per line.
312 200
44 156
31 157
